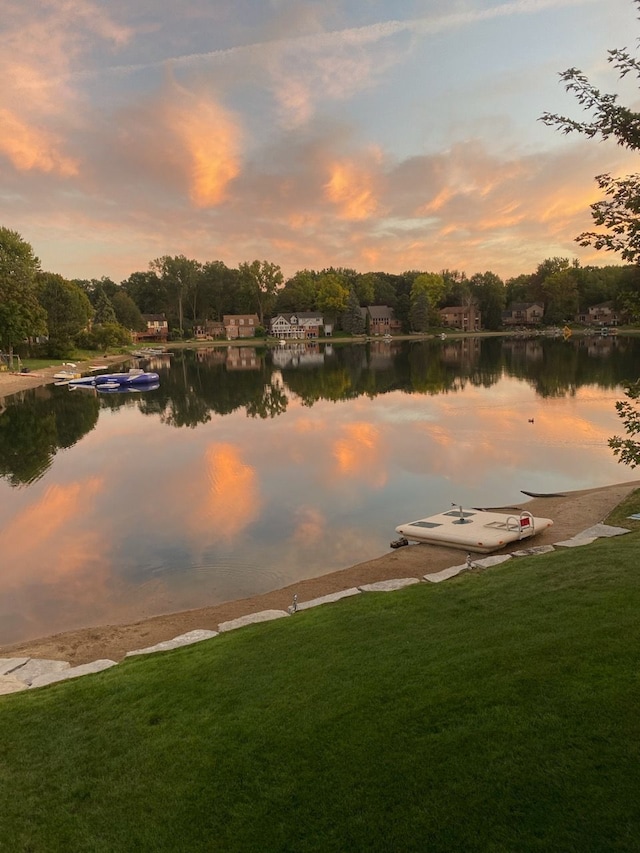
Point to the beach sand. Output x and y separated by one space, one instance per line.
571 513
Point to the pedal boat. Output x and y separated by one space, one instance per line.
480 531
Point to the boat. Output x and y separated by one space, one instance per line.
133 377
480 531
66 375
150 352
115 388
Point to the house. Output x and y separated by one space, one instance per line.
523 314
467 318
302 325
208 330
381 320
602 314
240 325
157 328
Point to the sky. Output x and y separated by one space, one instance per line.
368 134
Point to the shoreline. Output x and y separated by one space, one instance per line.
571 513
18 383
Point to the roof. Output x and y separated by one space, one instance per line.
380 312
524 306
459 309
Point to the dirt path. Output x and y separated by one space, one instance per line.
571 514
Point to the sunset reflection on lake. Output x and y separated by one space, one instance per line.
248 470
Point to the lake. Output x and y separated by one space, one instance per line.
251 468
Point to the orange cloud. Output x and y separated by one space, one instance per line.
211 140
352 190
37 59
30 148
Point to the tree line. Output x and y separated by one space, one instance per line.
99 313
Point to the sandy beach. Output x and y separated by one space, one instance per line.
571 513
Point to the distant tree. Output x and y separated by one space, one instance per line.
419 313
385 289
127 312
178 275
548 267
517 289
433 286
561 296
619 212
630 304
148 291
365 288
21 315
105 336
488 291
457 288
261 280
220 288
104 312
299 293
68 311
352 320
333 294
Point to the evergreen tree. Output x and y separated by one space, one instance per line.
103 308
352 319
419 313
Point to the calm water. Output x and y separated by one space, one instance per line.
249 469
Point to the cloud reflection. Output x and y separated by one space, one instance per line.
227 498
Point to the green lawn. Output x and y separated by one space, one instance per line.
498 711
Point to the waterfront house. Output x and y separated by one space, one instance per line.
157 328
523 314
240 325
467 318
381 320
602 314
301 325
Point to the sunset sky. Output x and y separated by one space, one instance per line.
369 134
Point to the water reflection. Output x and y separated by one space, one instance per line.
250 468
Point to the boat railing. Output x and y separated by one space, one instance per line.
524 523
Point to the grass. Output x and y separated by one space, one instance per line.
496 712
619 517
78 356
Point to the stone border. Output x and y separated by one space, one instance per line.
23 673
